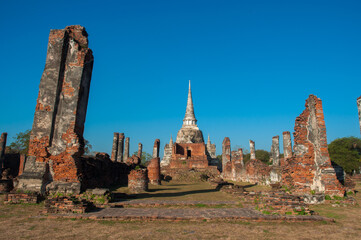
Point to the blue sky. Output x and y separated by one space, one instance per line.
252 65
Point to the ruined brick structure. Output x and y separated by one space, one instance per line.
359 110
156 147
167 153
55 161
2 149
189 151
275 151
56 140
254 171
211 153
252 150
118 146
310 169
140 149
138 180
226 152
126 149
154 171
115 147
287 145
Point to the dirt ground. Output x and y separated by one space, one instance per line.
24 222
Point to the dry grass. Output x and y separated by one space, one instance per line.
23 222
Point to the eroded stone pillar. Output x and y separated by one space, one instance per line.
120 147
359 110
156 147
126 149
241 161
226 152
287 145
56 139
310 169
275 151
154 171
115 147
2 149
252 150
140 148
138 180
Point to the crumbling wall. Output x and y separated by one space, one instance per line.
310 169
56 140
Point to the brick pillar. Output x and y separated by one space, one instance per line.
287 145
140 147
60 112
120 147
154 171
126 149
22 164
252 150
2 149
359 110
240 150
156 148
226 152
275 151
138 180
115 147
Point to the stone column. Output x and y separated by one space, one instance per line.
252 150
140 147
120 147
226 152
126 149
56 139
156 148
287 145
115 147
359 110
2 149
275 151
240 150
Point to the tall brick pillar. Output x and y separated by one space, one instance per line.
310 169
275 151
241 161
287 145
359 110
226 152
140 149
115 147
154 171
126 149
252 150
120 147
156 148
56 140
2 149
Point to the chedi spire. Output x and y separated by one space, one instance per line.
189 118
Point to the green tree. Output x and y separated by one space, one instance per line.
262 155
346 152
146 157
21 142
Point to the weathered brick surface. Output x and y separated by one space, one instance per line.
138 180
16 198
67 204
189 156
275 151
126 149
252 150
156 148
287 145
140 149
226 152
2 149
310 169
57 135
115 147
154 171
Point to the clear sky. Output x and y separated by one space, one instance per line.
252 65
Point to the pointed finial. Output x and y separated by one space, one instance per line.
209 140
171 140
189 118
